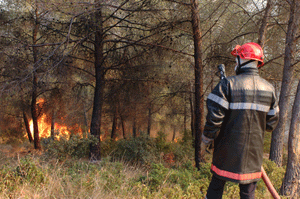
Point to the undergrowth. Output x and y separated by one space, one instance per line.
140 167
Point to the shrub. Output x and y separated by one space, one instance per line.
108 146
275 173
157 176
186 181
74 147
267 141
187 137
12 135
26 171
161 144
29 171
183 151
107 179
113 176
8 180
140 150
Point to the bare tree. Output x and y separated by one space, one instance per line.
276 152
99 74
291 182
27 127
34 95
264 23
199 98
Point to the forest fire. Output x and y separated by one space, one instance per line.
44 126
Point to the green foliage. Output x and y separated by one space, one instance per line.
63 148
108 146
80 178
183 151
8 179
231 191
27 171
275 173
106 174
184 182
140 150
187 137
157 176
145 150
161 144
267 141
161 179
113 175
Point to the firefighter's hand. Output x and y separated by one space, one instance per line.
203 148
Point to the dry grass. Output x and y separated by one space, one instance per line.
64 181
81 179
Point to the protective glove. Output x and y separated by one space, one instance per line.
203 147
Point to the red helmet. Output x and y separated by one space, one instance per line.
251 51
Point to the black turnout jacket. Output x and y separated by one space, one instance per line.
240 109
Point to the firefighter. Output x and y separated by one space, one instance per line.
240 109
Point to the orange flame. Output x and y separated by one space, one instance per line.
44 126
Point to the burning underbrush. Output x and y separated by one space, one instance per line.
51 123
57 129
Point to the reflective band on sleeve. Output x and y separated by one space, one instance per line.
206 140
218 100
236 176
251 106
273 111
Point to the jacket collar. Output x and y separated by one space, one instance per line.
248 71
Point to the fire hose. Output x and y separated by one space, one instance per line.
264 175
269 185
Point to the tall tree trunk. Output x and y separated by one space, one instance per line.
85 130
287 79
192 112
149 120
98 95
174 133
184 114
53 125
134 128
27 127
114 126
34 106
291 182
199 100
123 126
264 23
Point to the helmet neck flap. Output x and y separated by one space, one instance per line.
240 65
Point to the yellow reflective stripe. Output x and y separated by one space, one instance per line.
242 105
273 111
249 106
218 100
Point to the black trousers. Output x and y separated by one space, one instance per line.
216 188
